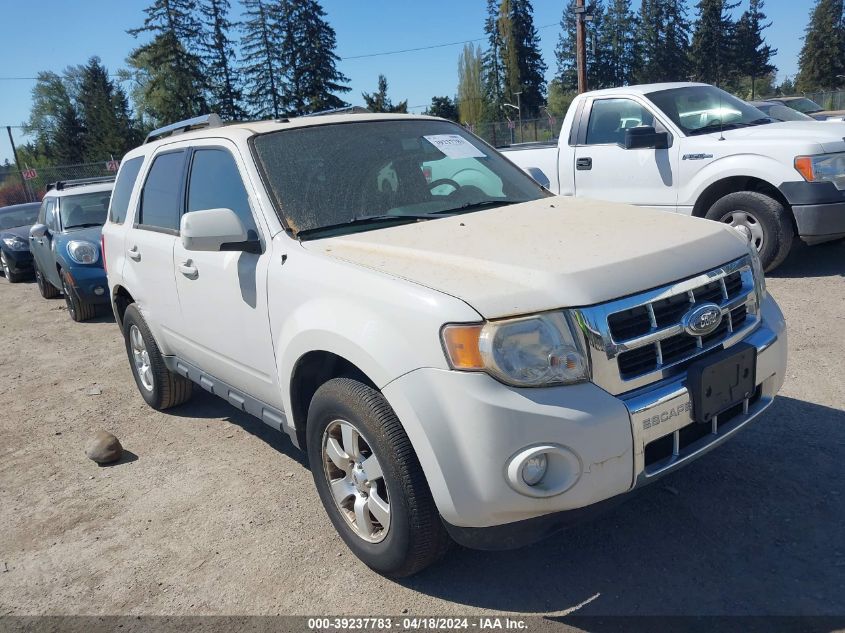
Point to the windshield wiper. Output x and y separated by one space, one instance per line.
372 219
473 206
83 226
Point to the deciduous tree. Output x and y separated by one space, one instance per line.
470 85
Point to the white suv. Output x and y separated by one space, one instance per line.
463 355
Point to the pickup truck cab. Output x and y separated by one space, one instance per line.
697 150
462 355
65 244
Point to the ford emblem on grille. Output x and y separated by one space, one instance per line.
702 319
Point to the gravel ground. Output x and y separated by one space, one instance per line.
214 513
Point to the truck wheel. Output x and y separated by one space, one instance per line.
78 309
160 387
762 219
370 480
11 277
47 290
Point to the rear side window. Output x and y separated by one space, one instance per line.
161 196
215 183
123 187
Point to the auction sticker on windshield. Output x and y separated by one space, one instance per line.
454 146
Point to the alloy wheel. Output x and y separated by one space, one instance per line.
141 358
747 224
356 481
6 271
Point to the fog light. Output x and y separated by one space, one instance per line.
534 469
99 290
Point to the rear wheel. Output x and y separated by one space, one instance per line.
370 480
762 220
78 309
47 290
11 277
160 387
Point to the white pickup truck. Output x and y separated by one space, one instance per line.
462 355
695 149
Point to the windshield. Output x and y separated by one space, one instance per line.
18 215
85 209
807 106
337 178
782 113
706 109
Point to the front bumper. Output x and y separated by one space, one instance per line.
19 261
466 427
820 222
90 283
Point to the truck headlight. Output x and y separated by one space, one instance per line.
532 351
15 243
83 252
757 271
823 168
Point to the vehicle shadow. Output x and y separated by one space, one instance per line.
753 528
823 260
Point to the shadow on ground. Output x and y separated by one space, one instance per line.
823 260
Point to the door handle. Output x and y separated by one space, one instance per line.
134 253
188 269
584 164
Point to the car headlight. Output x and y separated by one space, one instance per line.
16 243
83 252
823 168
757 271
531 351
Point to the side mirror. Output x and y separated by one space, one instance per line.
537 174
645 137
38 231
213 230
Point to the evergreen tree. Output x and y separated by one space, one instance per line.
218 55
69 137
823 53
262 70
522 64
712 55
617 43
753 55
470 85
662 41
491 62
598 50
307 53
108 131
444 107
177 34
379 101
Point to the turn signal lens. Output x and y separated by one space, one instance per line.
461 345
804 165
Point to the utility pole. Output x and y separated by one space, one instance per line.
519 108
18 163
581 44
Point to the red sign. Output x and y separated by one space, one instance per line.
29 174
112 165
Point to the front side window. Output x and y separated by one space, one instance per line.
85 209
338 178
706 109
51 218
123 187
160 198
609 118
216 183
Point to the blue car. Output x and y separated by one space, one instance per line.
15 258
65 244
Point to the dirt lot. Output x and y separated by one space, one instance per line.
217 514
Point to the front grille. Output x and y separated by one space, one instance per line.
638 340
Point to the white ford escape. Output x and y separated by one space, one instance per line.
463 355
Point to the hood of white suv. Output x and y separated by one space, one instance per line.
541 255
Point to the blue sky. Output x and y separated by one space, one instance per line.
84 28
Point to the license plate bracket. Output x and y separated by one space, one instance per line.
722 380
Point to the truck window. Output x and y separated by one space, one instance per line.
123 187
160 198
609 118
215 182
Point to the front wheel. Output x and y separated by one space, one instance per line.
47 290
78 309
763 221
370 480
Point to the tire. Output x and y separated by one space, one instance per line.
415 537
47 290
78 309
11 277
166 389
765 219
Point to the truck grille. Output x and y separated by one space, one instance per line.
640 339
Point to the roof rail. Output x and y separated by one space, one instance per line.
343 110
206 120
59 185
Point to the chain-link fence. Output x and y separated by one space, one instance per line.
828 100
15 190
504 133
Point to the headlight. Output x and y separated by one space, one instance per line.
757 271
823 168
15 243
83 252
532 351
